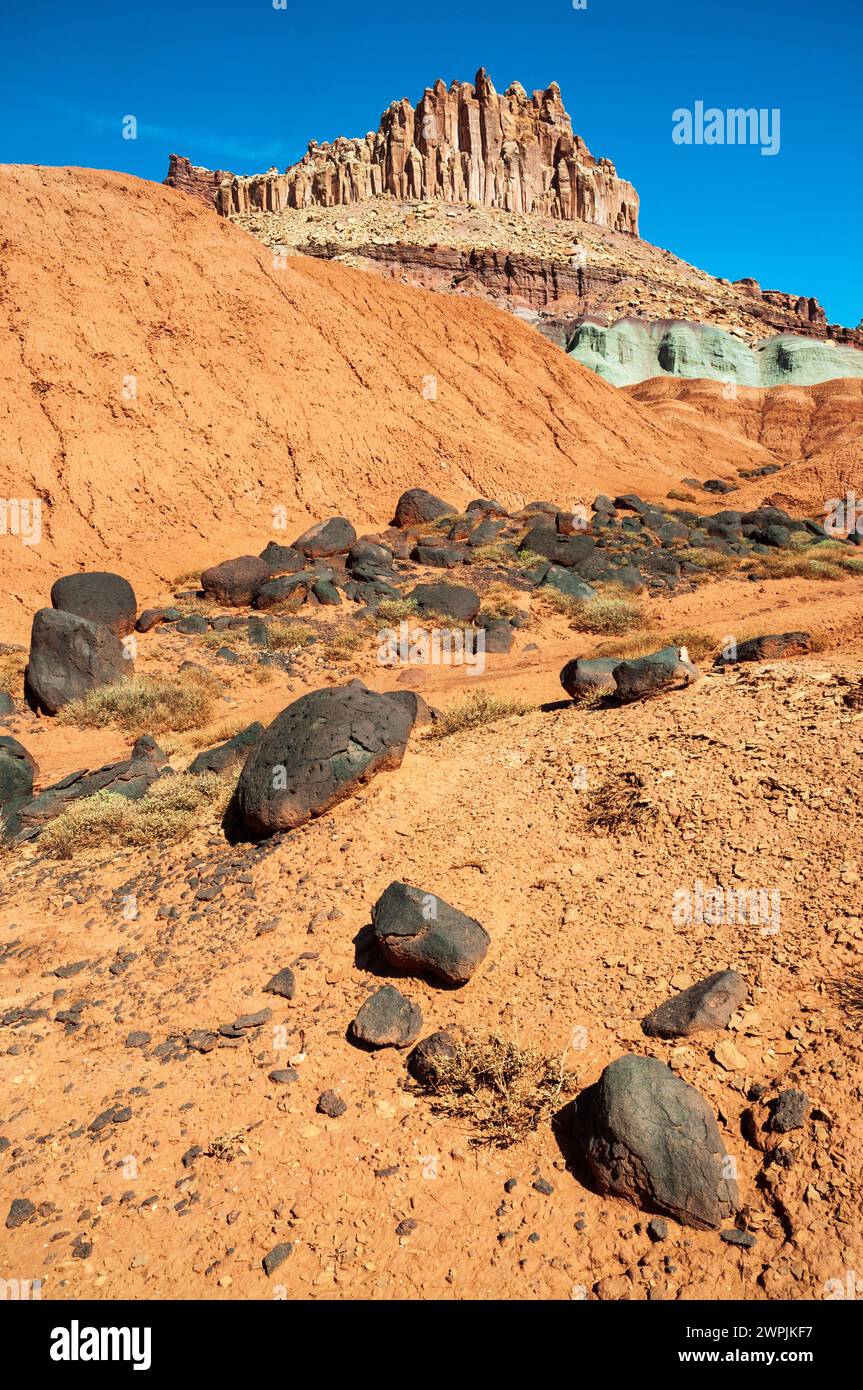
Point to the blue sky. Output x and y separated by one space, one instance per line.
241 85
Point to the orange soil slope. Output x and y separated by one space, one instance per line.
258 388
817 430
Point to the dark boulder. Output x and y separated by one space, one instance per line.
667 669
316 753
450 600
418 931
282 559
705 1006
387 1019
430 1055
565 582
131 777
102 598
224 756
70 656
17 771
332 537
234 583
290 591
440 557
416 507
587 677
768 648
568 551
648 1136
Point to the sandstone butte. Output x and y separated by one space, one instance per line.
465 143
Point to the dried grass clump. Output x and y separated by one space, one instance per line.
605 614
171 809
229 1146
391 610
620 804
12 664
475 711
503 1091
143 705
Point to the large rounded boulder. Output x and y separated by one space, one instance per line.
69 657
100 597
333 537
648 1136
316 753
234 583
419 932
416 507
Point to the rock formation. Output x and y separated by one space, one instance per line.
462 144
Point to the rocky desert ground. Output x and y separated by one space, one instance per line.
431 851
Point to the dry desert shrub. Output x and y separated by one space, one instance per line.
498 601
495 553
826 560
709 562
289 637
12 664
228 1146
143 705
475 711
700 645
171 809
526 559
620 804
341 646
607 614
395 609
502 1090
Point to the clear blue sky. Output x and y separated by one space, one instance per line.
241 85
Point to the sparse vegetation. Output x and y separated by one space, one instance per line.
171 809
620 804
475 711
825 560
700 645
12 664
498 601
289 637
393 610
709 562
503 1091
496 553
526 559
605 614
341 646
228 1146
143 705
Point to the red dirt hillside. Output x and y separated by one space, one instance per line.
259 387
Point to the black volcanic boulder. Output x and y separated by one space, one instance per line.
572 585
17 771
70 656
226 755
417 507
316 753
290 590
418 931
667 669
431 1055
103 598
768 648
648 1136
387 1019
586 677
568 551
450 600
130 778
441 557
234 583
705 1006
333 537
368 556
282 559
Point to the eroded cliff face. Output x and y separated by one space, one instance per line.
462 144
